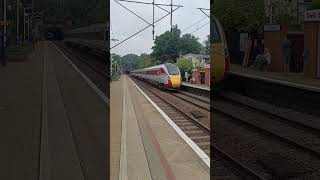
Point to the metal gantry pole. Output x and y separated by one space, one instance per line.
24 24
271 14
298 12
153 20
5 19
171 15
28 16
18 32
111 64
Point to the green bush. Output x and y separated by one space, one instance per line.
315 4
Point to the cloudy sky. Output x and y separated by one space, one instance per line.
124 24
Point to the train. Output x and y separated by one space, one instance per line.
219 53
165 76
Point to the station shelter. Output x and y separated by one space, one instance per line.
202 77
312 43
305 46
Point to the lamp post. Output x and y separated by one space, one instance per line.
4 34
18 30
5 27
28 16
24 22
113 39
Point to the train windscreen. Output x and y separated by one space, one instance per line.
214 32
172 69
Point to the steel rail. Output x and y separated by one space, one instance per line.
283 119
269 133
201 126
191 102
238 163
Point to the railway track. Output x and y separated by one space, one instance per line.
198 101
225 166
281 129
94 68
195 130
299 139
222 162
291 117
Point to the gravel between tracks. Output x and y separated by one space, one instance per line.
254 148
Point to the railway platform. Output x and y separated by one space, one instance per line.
198 86
296 80
53 121
148 147
196 89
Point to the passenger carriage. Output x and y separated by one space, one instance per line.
165 76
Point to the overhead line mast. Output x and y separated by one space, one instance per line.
153 16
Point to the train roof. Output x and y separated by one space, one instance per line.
152 67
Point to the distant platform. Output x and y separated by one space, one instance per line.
198 86
296 80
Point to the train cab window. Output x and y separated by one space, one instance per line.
214 32
161 71
172 69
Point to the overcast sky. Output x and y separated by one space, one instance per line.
124 24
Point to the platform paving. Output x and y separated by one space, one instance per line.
116 99
200 86
55 123
20 115
151 148
298 78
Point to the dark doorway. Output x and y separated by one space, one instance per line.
297 46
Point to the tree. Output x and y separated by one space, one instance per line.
116 57
145 60
190 44
83 11
206 48
130 61
240 15
315 4
166 46
185 65
169 45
